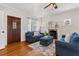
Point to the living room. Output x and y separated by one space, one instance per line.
41 26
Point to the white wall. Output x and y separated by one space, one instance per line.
73 15
4 12
3 26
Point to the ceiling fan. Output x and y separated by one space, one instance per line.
52 5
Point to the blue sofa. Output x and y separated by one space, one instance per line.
29 36
68 49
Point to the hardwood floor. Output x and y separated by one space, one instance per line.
16 49
20 49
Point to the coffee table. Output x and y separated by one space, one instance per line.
46 40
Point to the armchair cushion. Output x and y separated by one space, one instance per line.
74 37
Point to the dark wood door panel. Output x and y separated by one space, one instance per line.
13 34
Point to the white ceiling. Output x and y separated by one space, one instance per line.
36 9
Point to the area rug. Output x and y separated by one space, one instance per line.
47 50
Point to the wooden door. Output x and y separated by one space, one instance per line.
13 29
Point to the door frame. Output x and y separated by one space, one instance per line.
7 26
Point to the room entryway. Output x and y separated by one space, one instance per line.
13 29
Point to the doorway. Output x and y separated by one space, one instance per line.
13 29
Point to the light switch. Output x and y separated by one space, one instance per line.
3 31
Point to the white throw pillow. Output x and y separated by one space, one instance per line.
36 33
67 39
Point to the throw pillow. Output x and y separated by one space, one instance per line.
67 39
36 33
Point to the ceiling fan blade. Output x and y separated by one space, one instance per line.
47 6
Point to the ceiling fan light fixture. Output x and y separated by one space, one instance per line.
54 5
51 4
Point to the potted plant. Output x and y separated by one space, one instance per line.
46 33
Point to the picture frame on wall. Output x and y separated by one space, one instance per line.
67 22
